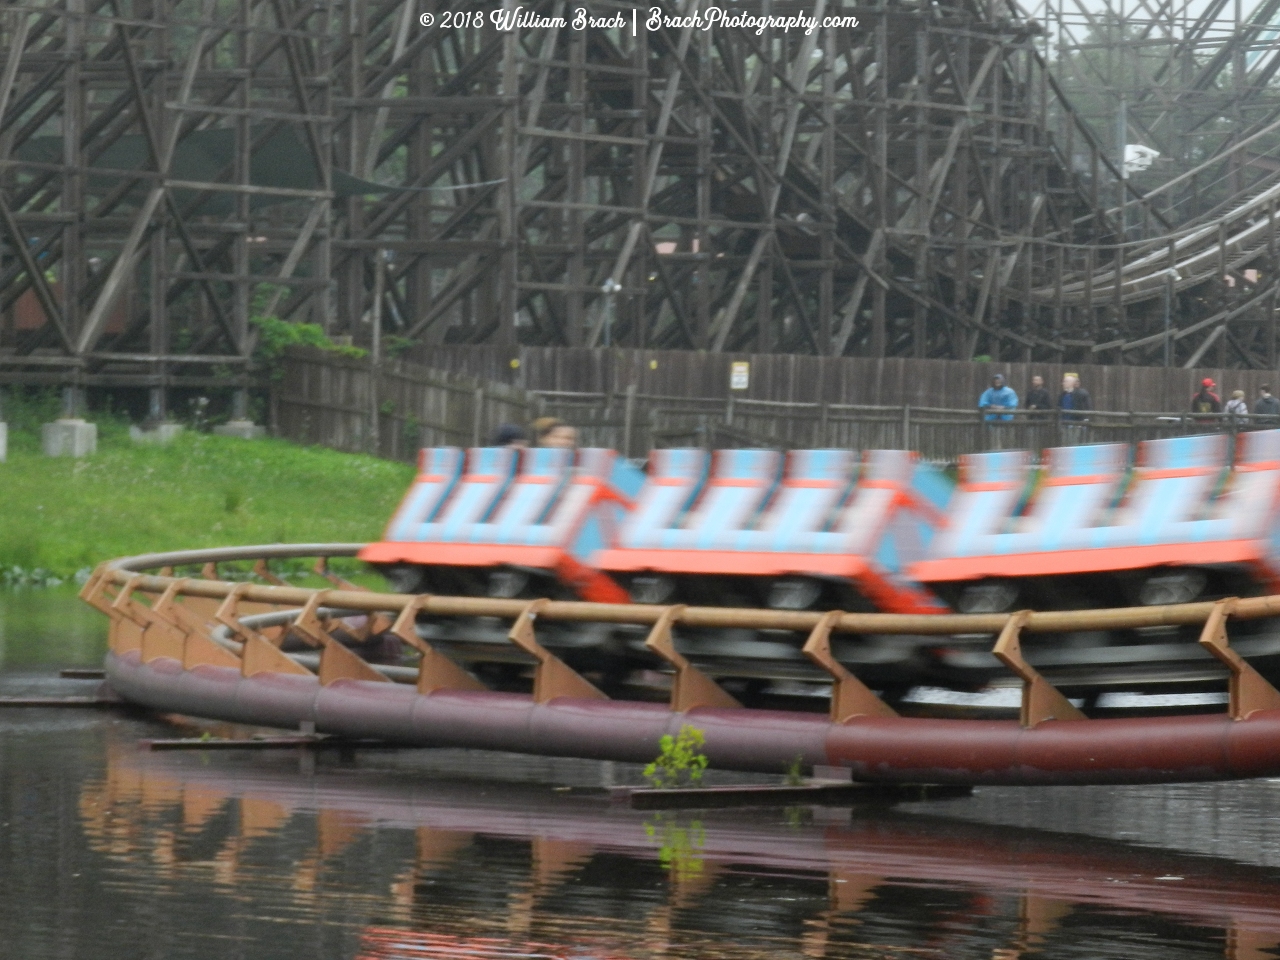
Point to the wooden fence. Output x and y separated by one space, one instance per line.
339 402
864 381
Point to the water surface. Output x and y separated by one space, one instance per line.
110 852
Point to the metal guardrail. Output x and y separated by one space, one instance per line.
184 612
635 423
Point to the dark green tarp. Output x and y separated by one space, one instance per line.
281 160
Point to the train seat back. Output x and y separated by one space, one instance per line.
675 479
991 487
438 471
1079 486
490 471
816 482
597 471
741 483
544 472
1247 508
1170 494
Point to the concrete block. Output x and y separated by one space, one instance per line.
161 433
244 429
69 438
4 441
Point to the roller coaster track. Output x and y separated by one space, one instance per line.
212 647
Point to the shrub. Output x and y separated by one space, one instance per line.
681 762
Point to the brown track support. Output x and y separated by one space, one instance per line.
339 663
850 697
263 572
435 670
1249 691
126 632
259 654
308 625
691 687
180 605
1041 701
336 661
552 677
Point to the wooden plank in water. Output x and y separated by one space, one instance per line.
283 742
816 794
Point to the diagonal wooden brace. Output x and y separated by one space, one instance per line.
1249 690
336 661
259 654
307 624
94 592
552 677
691 687
194 648
161 637
322 569
435 670
264 572
339 663
124 634
849 696
96 583
1041 700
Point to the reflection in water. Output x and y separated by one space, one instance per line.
679 845
399 865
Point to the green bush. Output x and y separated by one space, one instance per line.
275 336
681 762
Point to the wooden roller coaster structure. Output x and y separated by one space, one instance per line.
921 184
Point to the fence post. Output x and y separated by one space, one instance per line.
728 411
477 416
628 414
906 426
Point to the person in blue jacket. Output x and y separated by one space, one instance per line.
997 397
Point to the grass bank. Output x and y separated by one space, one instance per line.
63 516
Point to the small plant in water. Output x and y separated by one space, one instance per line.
795 773
681 762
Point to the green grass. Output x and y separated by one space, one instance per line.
64 515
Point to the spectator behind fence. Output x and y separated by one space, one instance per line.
1236 406
998 396
509 435
1038 397
550 432
1267 405
1074 398
1206 401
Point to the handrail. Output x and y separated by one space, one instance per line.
127 569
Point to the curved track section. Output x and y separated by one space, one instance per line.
190 645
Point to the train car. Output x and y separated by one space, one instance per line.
514 524
1188 518
814 530
1096 526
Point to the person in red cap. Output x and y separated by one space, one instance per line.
1206 401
